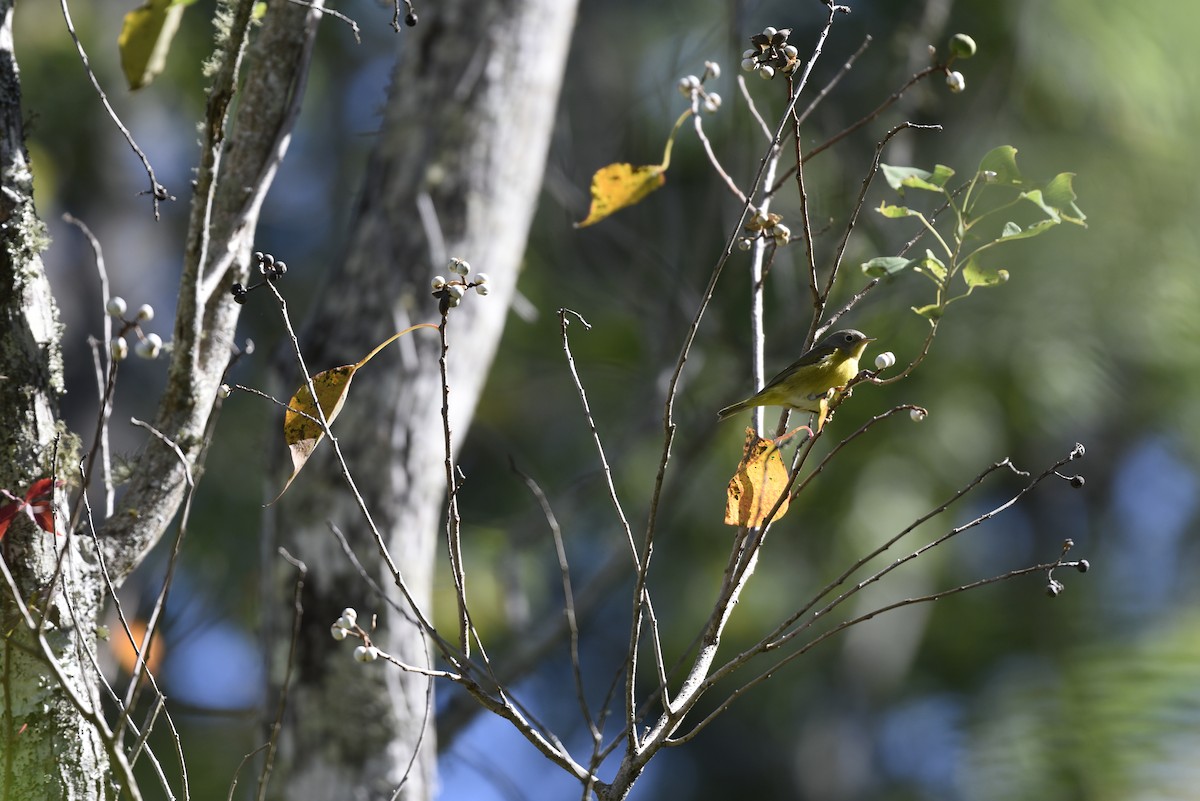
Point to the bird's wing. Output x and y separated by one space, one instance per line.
818 354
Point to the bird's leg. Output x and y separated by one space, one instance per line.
780 440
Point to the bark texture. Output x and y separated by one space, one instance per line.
54 740
456 172
44 751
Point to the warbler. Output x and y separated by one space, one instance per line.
806 384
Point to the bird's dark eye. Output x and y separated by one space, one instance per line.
849 337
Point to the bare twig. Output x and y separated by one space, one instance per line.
862 198
321 9
234 781
297 618
104 387
453 522
845 624
564 321
882 107
564 571
754 112
157 191
698 124
128 634
834 81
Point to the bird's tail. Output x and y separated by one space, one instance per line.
730 411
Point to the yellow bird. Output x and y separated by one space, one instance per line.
806 384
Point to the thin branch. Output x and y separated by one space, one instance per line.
851 223
564 321
834 81
698 125
564 571
128 633
297 618
845 624
234 781
157 191
754 112
172 562
453 522
882 107
321 9
104 388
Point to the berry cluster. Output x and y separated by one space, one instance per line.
765 226
347 625
268 267
771 53
690 86
149 346
450 293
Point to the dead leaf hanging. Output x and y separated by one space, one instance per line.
761 479
302 430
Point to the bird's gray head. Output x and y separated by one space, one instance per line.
847 340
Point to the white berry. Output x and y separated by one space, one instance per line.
885 360
116 306
119 348
145 313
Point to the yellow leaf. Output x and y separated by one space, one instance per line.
301 430
145 40
760 481
619 185
301 427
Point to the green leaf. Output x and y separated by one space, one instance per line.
975 274
888 210
885 265
1060 194
145 40
912 177
1013 231
931 312
1003 162
932 266
1034 196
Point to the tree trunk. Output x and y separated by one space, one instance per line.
456 172
55 742
44 751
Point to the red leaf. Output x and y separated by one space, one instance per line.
38 503
40 488
7 512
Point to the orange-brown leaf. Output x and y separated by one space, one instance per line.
619 185
125 650
760 480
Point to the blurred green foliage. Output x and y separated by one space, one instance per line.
998 693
